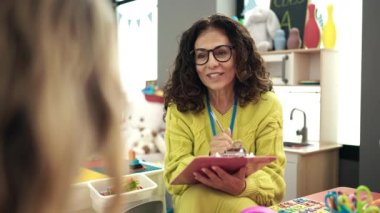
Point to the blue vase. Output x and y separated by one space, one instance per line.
279 39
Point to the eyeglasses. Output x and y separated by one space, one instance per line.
221 53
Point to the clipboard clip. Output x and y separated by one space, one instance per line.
236 150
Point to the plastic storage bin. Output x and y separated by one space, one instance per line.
79 199
100 202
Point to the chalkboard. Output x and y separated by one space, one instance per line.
290 13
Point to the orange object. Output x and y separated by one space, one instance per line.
131 155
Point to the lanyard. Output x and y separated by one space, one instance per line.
212 122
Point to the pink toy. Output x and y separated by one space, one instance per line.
258 209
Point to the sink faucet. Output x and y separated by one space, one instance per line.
303 131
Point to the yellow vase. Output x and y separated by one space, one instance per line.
329 31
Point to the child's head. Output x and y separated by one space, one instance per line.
60 98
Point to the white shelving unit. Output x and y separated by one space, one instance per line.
302 67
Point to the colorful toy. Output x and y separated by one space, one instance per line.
360 202
144 130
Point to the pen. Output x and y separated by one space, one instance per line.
217 122
235 144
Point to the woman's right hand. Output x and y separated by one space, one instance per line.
220 143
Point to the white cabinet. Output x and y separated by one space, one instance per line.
310 172
291 178
280 67
306 67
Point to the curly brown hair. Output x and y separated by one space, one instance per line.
185 89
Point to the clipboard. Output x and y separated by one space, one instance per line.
229 164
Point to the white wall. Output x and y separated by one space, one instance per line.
174 17
137 35
226 7
348 20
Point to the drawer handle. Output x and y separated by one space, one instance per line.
283 77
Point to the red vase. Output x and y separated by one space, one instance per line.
312 35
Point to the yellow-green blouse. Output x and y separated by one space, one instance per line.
258 125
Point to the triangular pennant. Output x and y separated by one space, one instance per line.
150 16
129 22
119 16
138 22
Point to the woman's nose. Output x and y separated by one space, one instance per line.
212 62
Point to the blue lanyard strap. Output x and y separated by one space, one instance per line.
212 122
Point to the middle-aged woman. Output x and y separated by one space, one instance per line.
219 71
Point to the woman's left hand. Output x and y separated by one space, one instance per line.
219 179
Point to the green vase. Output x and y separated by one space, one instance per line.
329 31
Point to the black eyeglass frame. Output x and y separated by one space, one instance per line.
231 47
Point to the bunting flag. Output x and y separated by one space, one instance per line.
119 16
138 20
135 12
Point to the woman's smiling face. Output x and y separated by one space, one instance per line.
215 75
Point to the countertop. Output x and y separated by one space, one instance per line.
313 148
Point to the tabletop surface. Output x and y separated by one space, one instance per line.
320 196
314 202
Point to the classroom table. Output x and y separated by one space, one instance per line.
314 202
320 196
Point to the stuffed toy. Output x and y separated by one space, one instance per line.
149 142
144 130
262 25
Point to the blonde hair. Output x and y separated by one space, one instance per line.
60 99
